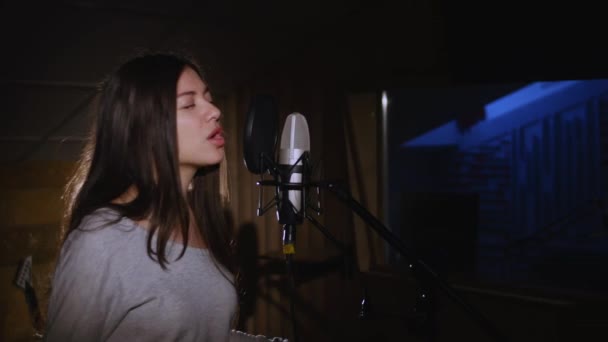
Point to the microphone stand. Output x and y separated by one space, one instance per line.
417 266
291 216
289 251
424 273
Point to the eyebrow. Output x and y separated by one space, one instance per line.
186 93
191 93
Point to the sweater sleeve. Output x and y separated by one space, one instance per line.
89 297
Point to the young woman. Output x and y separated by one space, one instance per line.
147 252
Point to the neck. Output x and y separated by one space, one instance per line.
194 237
186 174
127 196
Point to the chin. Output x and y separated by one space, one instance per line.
210 161
208 158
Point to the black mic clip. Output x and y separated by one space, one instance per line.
287 213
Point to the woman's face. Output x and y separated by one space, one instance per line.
200 137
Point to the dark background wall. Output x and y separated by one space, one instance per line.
55 53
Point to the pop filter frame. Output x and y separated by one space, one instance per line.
260 133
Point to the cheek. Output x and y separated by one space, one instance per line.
188 134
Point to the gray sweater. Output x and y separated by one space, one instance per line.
106 288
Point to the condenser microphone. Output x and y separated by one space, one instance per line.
293 152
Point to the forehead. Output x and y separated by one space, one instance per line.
189 80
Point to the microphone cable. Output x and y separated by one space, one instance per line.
289 250
289 263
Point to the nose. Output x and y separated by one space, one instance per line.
213 114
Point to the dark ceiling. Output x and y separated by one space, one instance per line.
364 44
54 53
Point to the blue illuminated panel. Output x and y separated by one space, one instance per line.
538 163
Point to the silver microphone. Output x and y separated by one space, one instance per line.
295 141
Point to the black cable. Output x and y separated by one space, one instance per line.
292 286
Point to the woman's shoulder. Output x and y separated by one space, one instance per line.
100 218
103 231
103 244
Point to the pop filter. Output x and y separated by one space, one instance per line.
260 134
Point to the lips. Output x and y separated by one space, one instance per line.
217 137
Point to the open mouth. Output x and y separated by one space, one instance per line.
217 136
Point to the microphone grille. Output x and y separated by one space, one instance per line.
295 133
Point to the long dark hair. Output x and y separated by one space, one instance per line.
134 143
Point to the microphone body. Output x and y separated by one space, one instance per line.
291 170
292 165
